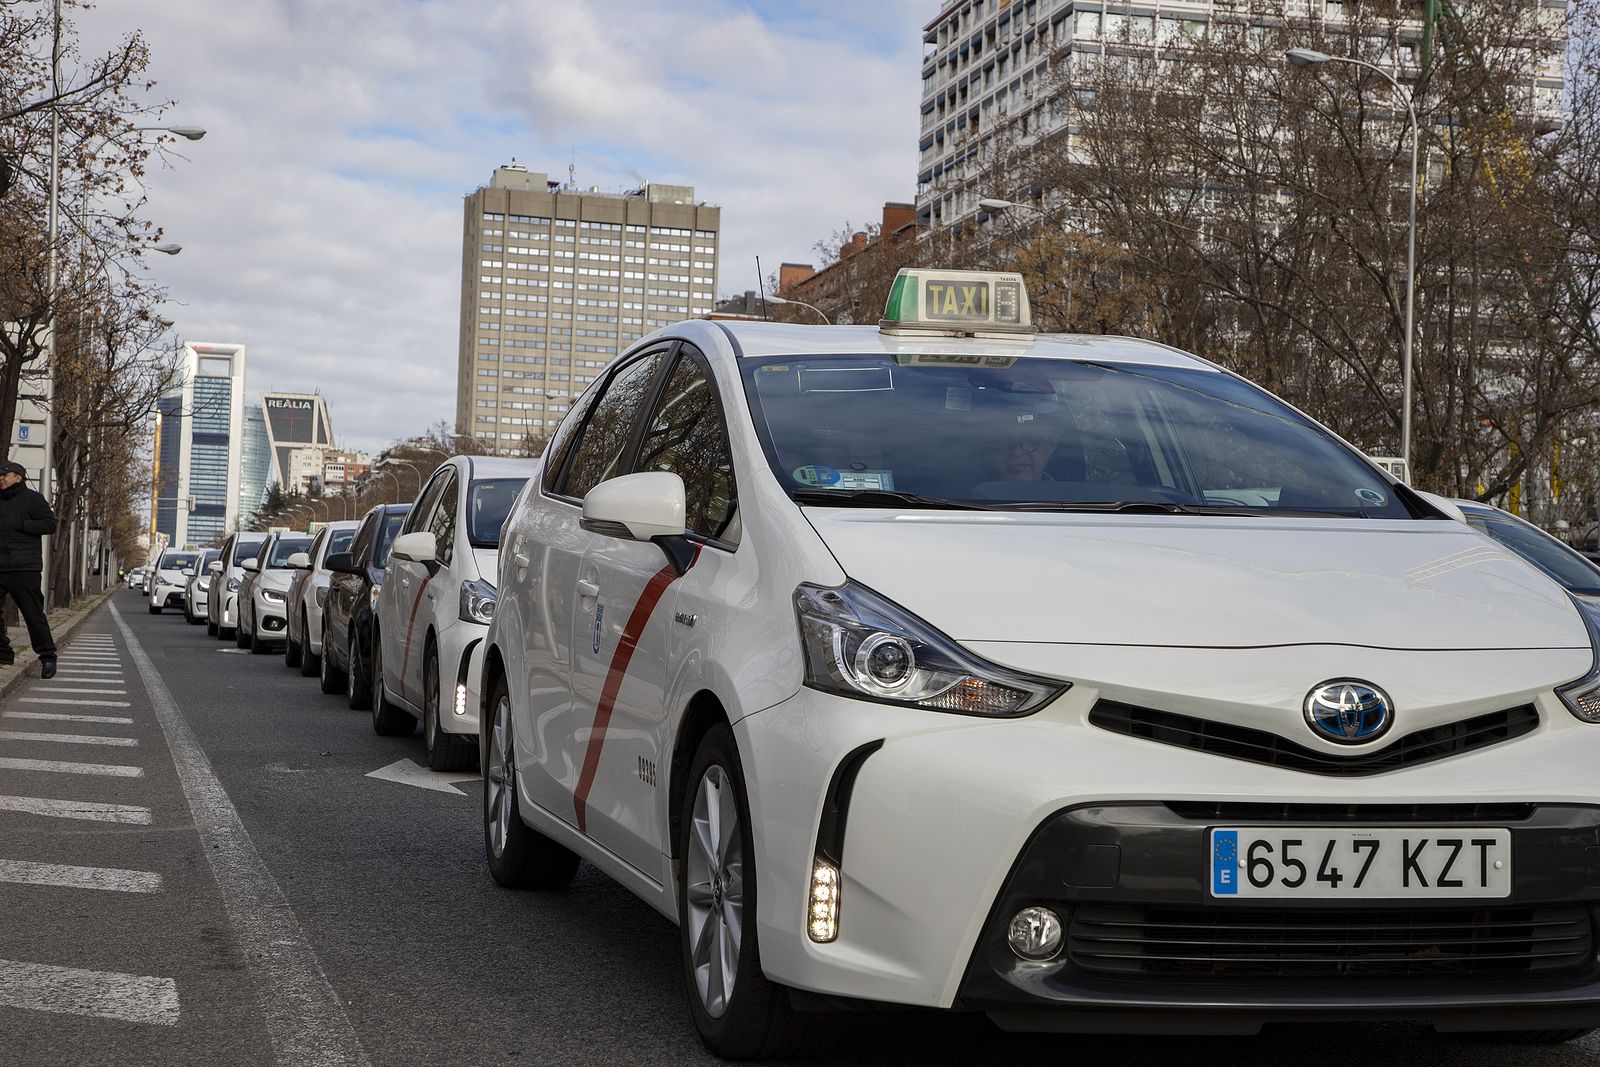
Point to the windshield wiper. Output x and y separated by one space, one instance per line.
1166 507
878 498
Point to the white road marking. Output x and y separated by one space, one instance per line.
112 879
68 739
110 770
132 998
78 809
406 772
74 700
39 689
57 716
305 1020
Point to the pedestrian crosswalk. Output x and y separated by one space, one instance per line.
41 719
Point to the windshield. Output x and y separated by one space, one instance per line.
1048 434
487 507
386 535
1538 548
176 561
285 547
243 550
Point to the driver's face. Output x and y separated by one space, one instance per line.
1021 454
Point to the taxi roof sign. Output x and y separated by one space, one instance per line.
957 302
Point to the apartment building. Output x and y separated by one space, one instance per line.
988 67
556 281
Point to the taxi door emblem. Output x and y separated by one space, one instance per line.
599 618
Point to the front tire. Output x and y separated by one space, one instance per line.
309 664
739 1013
241 636
519 856
332 679
292 652
155 609
446 752
211 628
388 720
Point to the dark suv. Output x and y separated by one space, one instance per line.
354 579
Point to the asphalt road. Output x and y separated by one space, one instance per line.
241 891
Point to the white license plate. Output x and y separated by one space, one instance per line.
1317 863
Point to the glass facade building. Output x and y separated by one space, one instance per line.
199 450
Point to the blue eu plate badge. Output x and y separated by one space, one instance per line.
1224 863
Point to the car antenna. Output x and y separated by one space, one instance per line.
762 287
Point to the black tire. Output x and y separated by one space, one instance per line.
258 647
520 857
388 720
757 1020
332 679
357 687
188 618
194 620
241 636
446 752
211 628
293 652
310 666
155 609
226 633
1534 1037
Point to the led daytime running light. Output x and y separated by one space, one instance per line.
822 914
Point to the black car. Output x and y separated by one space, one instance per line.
355 578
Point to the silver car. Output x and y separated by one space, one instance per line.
307 592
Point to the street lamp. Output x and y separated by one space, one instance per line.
1304 58
997 206
167 249
189 133
802 303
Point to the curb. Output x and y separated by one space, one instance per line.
28 659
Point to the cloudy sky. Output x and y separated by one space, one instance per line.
321 215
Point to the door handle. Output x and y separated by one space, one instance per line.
405 583
587 589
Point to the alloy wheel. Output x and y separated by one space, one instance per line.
500 778
715 890
430 700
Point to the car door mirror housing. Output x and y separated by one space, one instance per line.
419 547
215 566
638 507
299 562
251 565
341 563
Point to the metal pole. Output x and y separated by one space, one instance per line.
1411 288
47 483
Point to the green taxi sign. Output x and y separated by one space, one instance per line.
962 302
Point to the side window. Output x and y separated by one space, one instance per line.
560 447
686 435
443 522
315 551
430 493
361 547
603 442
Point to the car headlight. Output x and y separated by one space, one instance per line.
1582 697
233 584
322 595
858 644
477 602
372 594
272 596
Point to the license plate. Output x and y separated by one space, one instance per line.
1317 863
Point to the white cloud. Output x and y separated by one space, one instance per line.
321 216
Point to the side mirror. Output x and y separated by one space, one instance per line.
299 561
419 547
251 565
187 572
341 563
215 566
649 506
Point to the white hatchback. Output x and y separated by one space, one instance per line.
307 593
1071 679
437 600
168 577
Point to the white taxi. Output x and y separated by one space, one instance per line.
1070 679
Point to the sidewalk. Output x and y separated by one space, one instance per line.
62 622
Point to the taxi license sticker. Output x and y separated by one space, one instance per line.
1371 497
816 475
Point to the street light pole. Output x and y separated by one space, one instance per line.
1306 57
1000 207
802 303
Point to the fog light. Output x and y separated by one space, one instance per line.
461 699
1035 934
822 921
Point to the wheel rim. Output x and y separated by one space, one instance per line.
350 672
499 778
430 699
377 677
715 890
323 666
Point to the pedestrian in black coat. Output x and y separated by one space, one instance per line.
25 518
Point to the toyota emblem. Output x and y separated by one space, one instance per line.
1349 712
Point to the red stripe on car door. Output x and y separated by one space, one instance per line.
653 592
405 660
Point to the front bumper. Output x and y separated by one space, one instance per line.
945 816
461 675
270 622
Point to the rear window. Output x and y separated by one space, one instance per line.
487 507
246 549
285 547
339 541
176 561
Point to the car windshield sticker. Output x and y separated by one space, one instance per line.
816 477
1371 497
821 477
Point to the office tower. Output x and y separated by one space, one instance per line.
199 449
556 281
299 429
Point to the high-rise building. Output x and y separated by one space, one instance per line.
296 422
255 463
992 69
200 435
556 281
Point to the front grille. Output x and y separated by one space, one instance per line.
1366 814
1263 746
1381 941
